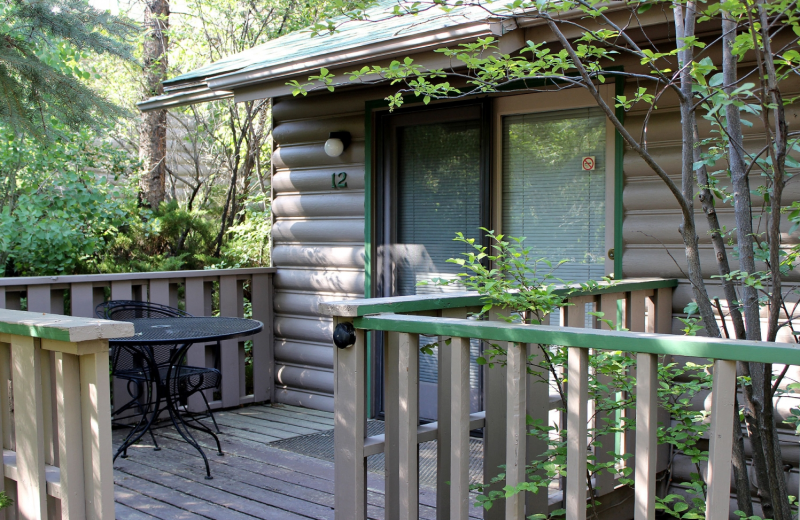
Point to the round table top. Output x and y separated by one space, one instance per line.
194 329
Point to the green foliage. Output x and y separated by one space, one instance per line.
55 212
69 206
523 288
509 277
247 243
45 46
5 500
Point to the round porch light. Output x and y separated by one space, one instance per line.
336 143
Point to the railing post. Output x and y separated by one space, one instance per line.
516 412
646 438
26 353
350 423
459 423
723 393
577 409
408 419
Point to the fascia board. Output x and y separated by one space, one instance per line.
411 44
178 98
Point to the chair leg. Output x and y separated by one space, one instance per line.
210 413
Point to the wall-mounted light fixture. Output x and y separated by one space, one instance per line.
337 143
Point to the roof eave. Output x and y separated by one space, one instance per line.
397 47
183 98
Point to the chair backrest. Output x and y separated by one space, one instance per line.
121 310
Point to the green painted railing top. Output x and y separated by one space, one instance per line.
402 304
755 351
61 328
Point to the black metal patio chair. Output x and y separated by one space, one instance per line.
144 365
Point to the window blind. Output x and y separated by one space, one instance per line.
438 194
547 195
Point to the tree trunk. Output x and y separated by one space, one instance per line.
153 131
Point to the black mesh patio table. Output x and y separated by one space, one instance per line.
178 334
194 329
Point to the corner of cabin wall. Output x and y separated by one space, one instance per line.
318 236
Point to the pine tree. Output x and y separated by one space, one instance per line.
42 43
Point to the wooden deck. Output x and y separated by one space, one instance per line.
252 480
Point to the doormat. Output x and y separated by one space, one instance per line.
320 446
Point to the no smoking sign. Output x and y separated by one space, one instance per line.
588 163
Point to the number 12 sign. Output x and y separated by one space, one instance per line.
339 183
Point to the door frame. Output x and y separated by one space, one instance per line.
382 186
497 106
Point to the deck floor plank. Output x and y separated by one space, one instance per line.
145 504
326 423
252 481
234 501
123 512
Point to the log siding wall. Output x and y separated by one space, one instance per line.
318 237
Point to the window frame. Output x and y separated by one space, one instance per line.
539 102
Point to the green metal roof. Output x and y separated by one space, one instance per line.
300 45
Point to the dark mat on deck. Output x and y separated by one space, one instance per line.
320 446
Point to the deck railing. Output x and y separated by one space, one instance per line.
204 293
57 450
645 306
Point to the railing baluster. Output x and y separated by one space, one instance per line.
604 480
40 299
408 419
350 423
646 439
515 427
159 292
459 421
31 488
538 407
391 350
723 393
81 297
9 436
494 435
68 401
5 415
444 430
121 290
196 355
636 307
263 357
230 305
577 408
